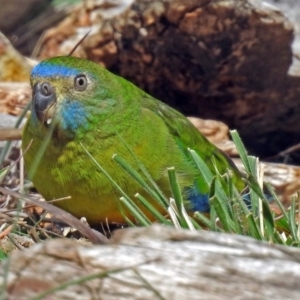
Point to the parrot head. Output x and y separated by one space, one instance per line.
69 94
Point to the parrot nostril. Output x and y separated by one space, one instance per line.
46 89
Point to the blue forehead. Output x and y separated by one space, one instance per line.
45 69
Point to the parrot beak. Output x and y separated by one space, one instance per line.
44 98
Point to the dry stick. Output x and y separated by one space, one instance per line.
12 239
6 231
284 152
80 41
94 236
10 134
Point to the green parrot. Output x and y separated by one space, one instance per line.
77 103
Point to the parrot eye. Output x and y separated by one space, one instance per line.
80 83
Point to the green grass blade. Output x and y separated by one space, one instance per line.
292 220
125 198
159 217
203 219
277 201
221 213
206 173
163 198
241 150
254 228
196 225
175 190
135 211
134 174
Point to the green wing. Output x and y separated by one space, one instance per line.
188 136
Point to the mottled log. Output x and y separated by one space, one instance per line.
156 263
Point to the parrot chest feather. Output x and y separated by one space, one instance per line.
67 170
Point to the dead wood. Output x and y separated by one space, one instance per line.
156 263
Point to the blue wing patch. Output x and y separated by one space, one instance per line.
197 201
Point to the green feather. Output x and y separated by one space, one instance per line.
108 108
